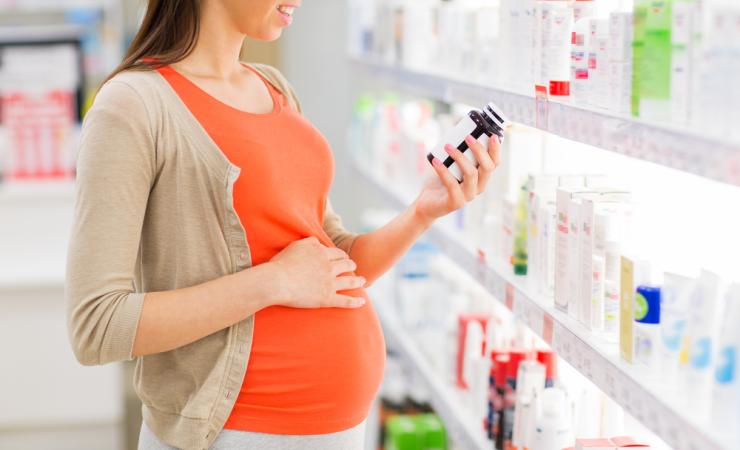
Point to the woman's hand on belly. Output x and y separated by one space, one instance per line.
310 275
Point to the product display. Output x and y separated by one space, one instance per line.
656 59
583 244
582 292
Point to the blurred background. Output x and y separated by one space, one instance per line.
382 80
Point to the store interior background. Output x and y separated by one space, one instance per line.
47 400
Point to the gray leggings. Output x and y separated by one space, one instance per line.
352 439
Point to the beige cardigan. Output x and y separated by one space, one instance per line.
155 212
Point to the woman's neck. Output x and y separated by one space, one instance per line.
216 52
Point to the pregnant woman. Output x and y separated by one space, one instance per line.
205 247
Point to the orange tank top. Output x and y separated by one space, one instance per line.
310 371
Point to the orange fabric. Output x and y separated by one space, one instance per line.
311 371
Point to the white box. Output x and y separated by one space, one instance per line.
592 243
563 258
620 36
542 189
545 245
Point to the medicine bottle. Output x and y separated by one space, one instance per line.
479 124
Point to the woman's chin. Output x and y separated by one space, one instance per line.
270 35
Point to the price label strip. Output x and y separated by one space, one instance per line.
547 328
509 297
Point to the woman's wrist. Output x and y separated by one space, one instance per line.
421 219
266 286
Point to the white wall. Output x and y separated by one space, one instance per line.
47 399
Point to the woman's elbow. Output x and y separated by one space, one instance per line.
84 352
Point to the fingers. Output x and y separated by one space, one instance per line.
494 150
450 183
485 163
344 301
348 282
341 266
336 254
469 184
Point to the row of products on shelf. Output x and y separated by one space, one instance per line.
581 241
40 114
507 381
572 237
656 59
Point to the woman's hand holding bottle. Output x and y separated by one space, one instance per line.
443 194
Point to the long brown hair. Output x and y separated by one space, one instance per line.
168 34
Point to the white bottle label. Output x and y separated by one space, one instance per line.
455 137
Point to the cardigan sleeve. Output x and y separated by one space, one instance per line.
115 171
333 227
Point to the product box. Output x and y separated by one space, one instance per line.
634 272
594 444
593 235
681 49
542 190
573 258
563 245
463 345
626 347
561 249
574 254
620 36
620 86
546 227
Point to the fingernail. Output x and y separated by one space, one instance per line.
449 148
469 139
436 161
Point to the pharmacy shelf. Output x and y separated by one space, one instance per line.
668 145
14 281
23 192
33 242
641 394
458 422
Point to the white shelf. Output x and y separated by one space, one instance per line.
668 145
642 395
458 422
24 192
47 282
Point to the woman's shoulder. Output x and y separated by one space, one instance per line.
278 80
129 87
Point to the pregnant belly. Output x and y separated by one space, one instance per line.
310 371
